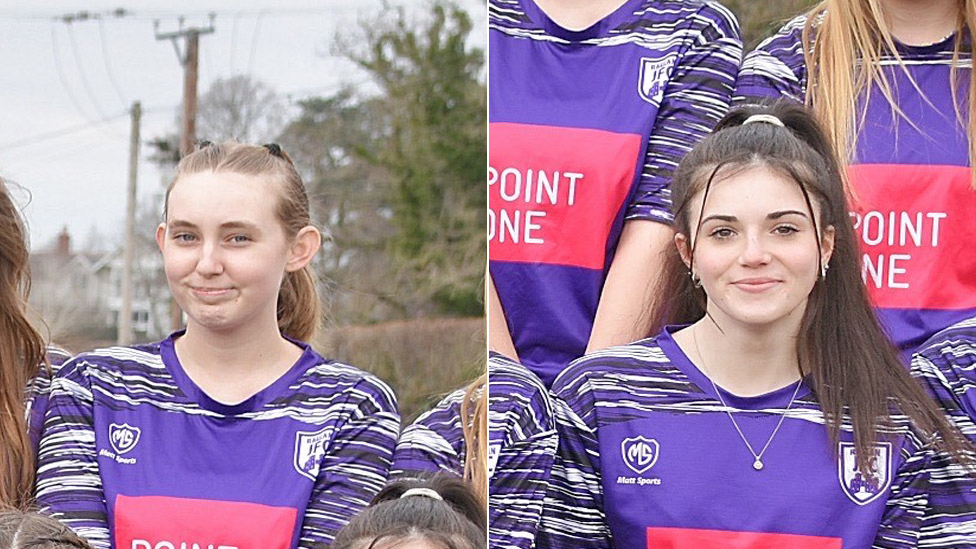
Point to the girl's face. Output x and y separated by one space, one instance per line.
756 253
225 251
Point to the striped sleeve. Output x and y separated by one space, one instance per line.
522 446
434 442
69 487
356 464
697 96
573 513
775 69
39 392
908 503
946 367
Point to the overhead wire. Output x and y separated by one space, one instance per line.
108 65
81 72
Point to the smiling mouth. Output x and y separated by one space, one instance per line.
756 285
210 292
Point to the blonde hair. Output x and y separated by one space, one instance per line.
474 416
844 42
299 309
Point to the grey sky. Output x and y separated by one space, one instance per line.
78 179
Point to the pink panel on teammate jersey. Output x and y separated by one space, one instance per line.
916 226
554 192
157 522
690 538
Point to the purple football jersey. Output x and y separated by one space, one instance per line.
914 207
136 456
585 130
648 457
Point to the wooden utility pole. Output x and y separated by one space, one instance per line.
189 60
128 260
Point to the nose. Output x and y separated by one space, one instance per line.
209 263
754 252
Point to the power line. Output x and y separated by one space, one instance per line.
254 40
81 72
62 77
152 15
55 134
108 66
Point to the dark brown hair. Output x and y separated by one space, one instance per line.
21 530
456 521
21 355
299 309
848 360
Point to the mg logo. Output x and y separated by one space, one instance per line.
123 438
639 453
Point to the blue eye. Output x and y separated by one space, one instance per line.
240 239
184 237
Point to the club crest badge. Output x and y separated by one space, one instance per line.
123 438
639 453
309 450
654 76
493 451
863 489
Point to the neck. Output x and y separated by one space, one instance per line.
232 366
922 22
577 15
743 362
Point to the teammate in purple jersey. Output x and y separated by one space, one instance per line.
522 443
25 364
449 439
233 432
591 106
781 416
892 82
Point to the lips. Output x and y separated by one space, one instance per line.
210 292
756 284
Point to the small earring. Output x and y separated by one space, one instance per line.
823 270
694 279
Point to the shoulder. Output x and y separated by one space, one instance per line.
784 46
114 360
703 19
618 370
356 387
517 399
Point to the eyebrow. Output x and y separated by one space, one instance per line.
183 224
773 215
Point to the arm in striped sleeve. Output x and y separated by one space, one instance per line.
573 515
69 487
696 97
521 448
945 369
775 69
431 444
356 464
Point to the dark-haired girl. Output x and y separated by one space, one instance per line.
770 410
232 432
441 512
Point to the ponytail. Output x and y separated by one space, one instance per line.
299 310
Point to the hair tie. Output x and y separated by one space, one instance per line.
423 492
204 144
273 148
767 118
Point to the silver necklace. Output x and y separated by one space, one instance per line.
757 464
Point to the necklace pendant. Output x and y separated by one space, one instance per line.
757 465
